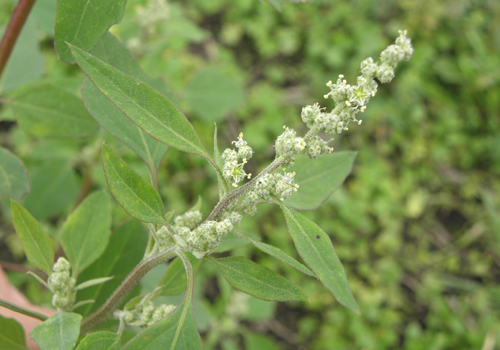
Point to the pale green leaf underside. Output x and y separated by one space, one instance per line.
11 335
60 332
47 111
100 341
281 256
84 22
176 332
14 180
144 105
174 280
37 245
257 280
318 178
85 233
135 195
316 248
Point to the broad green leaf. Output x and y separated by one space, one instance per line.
257 280
318 178
174 281
37 245
110 117
14 181
135 195
53 189
26 62
11 335
212 95
85 233
176 332
84 22
47 111
281 256
124 251
100 341
230 242
145 106
60 332
316 248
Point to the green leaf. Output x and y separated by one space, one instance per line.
11 335
53 189
37 245
176 332
26 63
100 341
212 95
45 13
174 280
14 181
318 178
135 195
280 255
60 332
145 106
257 280
47 111
85 233
84 22
124 251
110 117
316 248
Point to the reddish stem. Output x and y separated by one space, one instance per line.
13 29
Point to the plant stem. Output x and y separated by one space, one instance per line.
13 29
105 312
230 197
189 273
22 310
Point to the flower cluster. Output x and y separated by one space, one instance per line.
198 239
62 285
234 161
146 314
267 188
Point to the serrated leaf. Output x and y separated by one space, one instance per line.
14 181
37 245
84 22
85 233
47 111
281 256
53 189
319 178
124 251
316 248
60 332
174 280
176 332
135 195
145 106
100 341
110 117
11 335
212 95
257 280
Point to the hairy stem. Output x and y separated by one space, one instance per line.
13 29
8 305
105 312
231 196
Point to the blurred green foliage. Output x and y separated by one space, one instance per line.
416 225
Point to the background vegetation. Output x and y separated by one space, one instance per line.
416 225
